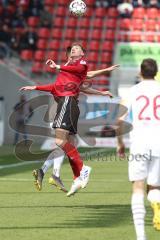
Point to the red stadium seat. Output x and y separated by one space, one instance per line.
69 33
136 37
26 55
96 34
101 82
89 12
92 66
94 46
100 12
137 24
66 44
112 12
44 33
93 57
125 24
82 34
150 37
150 25
42 44
37 67
11 9
63 57
139 12
84 23
106 57
49 2
61 11
39 55
157 38
111 23
107 46
53 55
58 22
152 13
33 21
158 25
123 37
105 65
56 33
90 2
54 44
110 35
103 89
98 23
72 22
63 2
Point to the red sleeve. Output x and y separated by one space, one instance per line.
74 69
46 88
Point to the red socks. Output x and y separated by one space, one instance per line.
75 159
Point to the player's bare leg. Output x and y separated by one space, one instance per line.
154 198
138 209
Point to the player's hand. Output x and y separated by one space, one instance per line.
113 67
121 150
51 63
107 93
27 88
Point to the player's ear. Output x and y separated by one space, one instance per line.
82 53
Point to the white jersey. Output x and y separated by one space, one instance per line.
144 103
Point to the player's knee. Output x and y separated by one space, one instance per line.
59 142
138 186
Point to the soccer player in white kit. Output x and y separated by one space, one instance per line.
144 161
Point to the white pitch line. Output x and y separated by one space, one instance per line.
18 164
65 180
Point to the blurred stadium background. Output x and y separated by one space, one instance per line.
113 32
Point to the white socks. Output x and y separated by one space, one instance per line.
138 211
55 159
47 164
154 196
58 161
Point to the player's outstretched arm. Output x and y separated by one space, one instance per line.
27 88
95 91
92 74
46 88
72 69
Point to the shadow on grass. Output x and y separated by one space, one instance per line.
91 216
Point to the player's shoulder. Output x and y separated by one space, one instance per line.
136 86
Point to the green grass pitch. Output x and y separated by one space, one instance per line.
100 212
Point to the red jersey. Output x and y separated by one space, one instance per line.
69 79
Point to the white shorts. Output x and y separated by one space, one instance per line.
144 168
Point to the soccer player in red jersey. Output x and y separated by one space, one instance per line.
71 90
65 91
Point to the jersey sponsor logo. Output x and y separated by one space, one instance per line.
83 62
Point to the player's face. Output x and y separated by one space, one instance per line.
76 51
